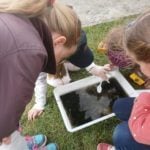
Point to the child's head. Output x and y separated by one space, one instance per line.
115 51
137 42
65 27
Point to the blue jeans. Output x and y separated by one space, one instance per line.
122 138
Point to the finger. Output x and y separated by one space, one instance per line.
108 68
34 115
30 115
29 118
6 140
104 72
40 113
103 76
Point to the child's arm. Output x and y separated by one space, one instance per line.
100 71
40 97
139 122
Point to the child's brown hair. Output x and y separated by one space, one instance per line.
113 39
114 48
137 38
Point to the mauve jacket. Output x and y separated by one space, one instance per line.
22 57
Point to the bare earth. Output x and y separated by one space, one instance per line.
93 12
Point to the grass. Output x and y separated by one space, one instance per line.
50 122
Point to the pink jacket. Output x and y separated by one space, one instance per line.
139 122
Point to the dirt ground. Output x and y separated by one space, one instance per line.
93 12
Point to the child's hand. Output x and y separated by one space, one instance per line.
6 140
33 113
101 71
109 67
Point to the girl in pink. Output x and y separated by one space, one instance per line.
133 133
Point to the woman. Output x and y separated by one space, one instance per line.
26 49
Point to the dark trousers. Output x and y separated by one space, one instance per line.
122 138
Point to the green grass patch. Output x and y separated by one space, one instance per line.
50 122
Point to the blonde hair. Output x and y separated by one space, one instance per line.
59 18
63 20
29 8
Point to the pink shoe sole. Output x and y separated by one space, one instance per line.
104 146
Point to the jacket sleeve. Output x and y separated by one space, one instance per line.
139 122
18 73
40 91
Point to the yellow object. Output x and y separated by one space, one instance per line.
136 79
101 47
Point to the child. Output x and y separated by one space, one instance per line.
133 132
113 48
82 58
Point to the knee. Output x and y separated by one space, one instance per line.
116 105
122 108
118 108
120 103
122 135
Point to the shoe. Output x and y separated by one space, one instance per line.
54 81
105 146
51 146
36 142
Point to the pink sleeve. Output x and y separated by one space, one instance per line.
139 122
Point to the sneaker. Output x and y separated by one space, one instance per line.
36 142
54 81
105 146
51 146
